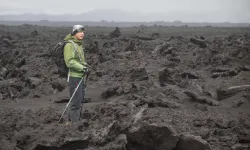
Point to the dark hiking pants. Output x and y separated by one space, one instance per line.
75 104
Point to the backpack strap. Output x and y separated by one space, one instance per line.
75 48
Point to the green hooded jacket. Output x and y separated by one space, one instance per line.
74 61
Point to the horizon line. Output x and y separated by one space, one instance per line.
108 21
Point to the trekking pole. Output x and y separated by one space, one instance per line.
70 99
85 85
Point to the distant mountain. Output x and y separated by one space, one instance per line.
95 15
115 17
124 16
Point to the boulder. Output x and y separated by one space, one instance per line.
246 96
161 100
100 73
165 77
61 99
238 103
160 48
189 75
3 72
172 51
34 82
223 93
199 42
201 99
129 87
20 62
155 35
116 33
220 69
119 143
67 143
131 46
59 84
240 147
34 33
111 91
103 135
245 68
139 74
7 42
152 136
188 141
226 73
93 47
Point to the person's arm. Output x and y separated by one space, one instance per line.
69 58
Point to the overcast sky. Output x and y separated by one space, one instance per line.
226 10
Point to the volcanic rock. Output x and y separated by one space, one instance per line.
152 136
116 33
199 42
191 142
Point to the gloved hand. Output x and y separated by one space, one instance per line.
86 71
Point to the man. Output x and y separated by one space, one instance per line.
75 61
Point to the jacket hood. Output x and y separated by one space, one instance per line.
70 37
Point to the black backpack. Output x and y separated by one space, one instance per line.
58 56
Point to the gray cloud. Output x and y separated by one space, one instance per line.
192 10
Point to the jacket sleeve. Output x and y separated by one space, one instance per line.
70 59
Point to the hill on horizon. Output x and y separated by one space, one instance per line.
117 15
